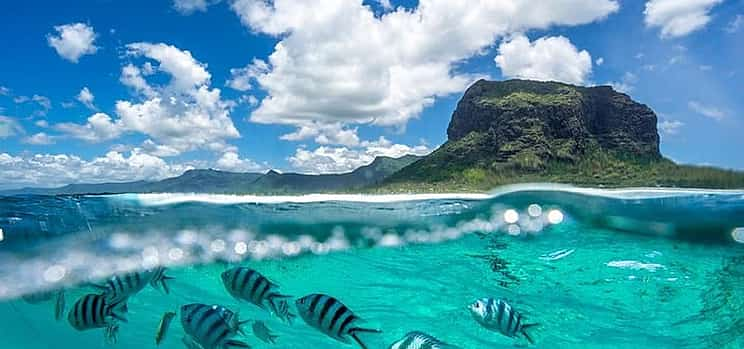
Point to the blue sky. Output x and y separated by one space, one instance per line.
108 91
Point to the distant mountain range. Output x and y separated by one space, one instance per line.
222 182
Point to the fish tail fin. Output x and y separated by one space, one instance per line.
354 331
236 344
237 324
119 310
111 334
526 334
59 306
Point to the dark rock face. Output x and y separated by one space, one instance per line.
531 122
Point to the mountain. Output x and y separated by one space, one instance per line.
524 131
214 181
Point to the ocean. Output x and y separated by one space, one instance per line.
591 267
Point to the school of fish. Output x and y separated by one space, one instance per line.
213 326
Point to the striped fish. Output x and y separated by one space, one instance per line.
420 340
93 311
119 288
263 333
498 315
249 285
331 317
210 327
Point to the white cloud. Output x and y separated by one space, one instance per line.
73 41
735 24
41 123
240 78
40 138
599 61
678 18
187 7
547 59
706 110
231 161
670 127
4 91
336 62
325 159
86 97
9 127
60 169
183 115
626 84
324 134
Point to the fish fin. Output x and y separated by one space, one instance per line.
111 334
98 287
272 338
190 344
236 344
164 283
364 330
359 341
59 306
526 335
118 311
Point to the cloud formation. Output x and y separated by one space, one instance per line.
670 127
678 18
547 59
73 41
707 110
86 97
9 127
326 159
187 7
182 115
338 62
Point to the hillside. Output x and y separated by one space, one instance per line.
214 181
513 131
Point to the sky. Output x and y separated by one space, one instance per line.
102 90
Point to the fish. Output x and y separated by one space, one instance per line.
497 315
38 297
59 306
92 311
211 327
165 322
249 285
263 333
420 340
331 317
120 287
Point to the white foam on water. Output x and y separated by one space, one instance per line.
157 199
636 265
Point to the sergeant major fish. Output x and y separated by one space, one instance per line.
249 285
93 311
498 315
420 340
210 327
331 317
120 288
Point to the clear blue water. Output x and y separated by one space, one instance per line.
595 268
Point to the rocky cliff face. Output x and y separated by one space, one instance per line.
534 122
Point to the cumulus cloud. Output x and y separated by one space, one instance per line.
231 161
60 169
181 115
735 24
40 138
678 18
670 127
707 110
86 97
326 159
325 134
73 41
547 59
9 127
337 62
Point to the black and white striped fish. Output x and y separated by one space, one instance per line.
93 311
498 315
420 340
210 327
331 317
119 288
249 285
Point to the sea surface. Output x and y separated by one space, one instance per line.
594 268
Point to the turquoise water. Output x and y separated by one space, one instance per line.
596 269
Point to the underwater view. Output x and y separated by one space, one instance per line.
579 268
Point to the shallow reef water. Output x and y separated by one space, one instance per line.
594 268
